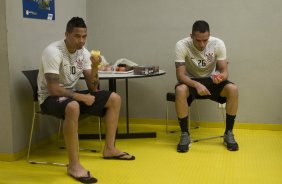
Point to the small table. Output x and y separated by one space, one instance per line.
112 78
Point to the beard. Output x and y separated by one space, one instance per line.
78 47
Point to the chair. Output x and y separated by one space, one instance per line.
170 97
31 75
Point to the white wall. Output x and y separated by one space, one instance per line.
146 32
5 110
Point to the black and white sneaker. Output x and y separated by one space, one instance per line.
184 143
230 142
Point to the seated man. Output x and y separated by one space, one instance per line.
63 62
201 71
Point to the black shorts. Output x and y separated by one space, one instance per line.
215 90
55 106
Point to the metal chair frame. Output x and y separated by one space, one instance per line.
31 75
170 97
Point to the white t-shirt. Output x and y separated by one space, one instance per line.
57 59
200 63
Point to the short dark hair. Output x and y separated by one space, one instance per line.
75 22
201 26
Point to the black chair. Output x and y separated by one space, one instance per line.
31 75
170 97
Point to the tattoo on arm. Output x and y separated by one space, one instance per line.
95 83
52 78
178 64
95 80
69 93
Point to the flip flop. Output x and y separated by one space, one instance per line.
85 179
121 157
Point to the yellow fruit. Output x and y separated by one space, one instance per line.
95 53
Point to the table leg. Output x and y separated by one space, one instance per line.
128 134
113 85
126 104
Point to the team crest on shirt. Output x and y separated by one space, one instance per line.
210 57
79 63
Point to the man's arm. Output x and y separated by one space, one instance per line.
221 62
222 67
91 75
92 79
55 89
183 78
181 75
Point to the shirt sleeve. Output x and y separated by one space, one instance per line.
51 60
220 51
180 53
103 60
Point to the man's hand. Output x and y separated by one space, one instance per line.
88 99
217 78
202 90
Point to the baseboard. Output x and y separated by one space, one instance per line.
239 125
12 156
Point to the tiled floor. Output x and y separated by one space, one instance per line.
258 161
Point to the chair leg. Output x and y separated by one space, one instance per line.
189 119
30 136
59 135
100 139
29 145
166 123
166 128
197 126
100 134
207 138
80 148
223 114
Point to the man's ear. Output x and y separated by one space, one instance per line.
191 35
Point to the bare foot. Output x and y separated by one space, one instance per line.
80 174
77 170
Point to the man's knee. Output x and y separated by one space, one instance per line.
114 99
182 90
72 108
231 90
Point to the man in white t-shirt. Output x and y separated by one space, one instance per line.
202 72
63 63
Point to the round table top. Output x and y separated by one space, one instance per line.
124 75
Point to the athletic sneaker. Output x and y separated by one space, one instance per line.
230 142
184 142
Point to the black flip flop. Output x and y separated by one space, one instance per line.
85 179
120 157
